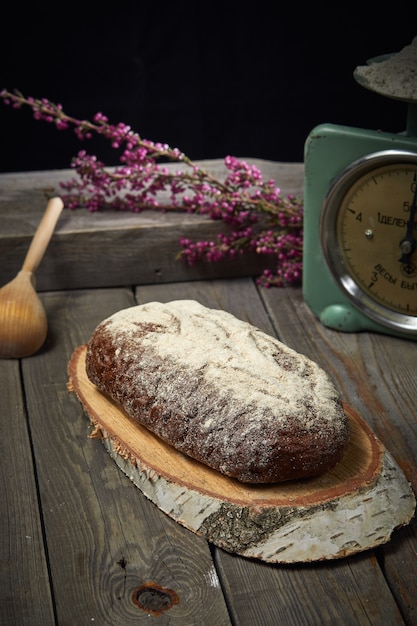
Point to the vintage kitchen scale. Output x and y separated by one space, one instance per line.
360 223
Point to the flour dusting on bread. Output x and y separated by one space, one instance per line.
220 390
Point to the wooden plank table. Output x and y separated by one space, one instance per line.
79 543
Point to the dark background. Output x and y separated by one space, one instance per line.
245 79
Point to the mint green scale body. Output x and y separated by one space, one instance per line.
329 149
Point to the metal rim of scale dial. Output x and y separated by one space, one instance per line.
362 273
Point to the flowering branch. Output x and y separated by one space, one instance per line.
259 219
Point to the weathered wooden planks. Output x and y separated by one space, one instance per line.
104 539
25 593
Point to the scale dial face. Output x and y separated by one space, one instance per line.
368 234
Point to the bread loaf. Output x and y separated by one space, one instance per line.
220 390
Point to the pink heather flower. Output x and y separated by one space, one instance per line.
256 217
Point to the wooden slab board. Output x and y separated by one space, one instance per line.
354 507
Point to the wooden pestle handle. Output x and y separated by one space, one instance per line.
43 235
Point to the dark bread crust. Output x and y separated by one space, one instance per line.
220 391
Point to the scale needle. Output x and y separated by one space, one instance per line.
408 244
